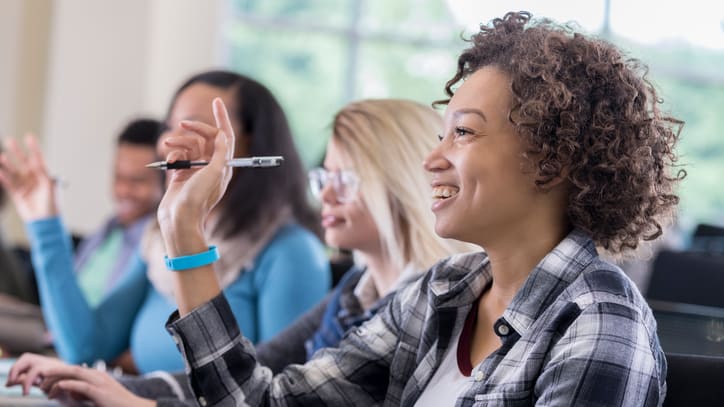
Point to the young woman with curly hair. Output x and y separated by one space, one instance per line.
553 144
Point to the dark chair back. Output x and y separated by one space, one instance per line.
687 277
694 380
708 239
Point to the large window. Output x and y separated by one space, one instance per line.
316 55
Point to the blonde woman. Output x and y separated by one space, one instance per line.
374 201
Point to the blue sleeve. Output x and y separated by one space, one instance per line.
82 334
291 275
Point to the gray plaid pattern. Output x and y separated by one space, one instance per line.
577 333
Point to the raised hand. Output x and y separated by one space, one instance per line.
71 383
25 178
192 193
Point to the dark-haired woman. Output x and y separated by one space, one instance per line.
274 267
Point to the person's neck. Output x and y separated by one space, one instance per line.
383 272
515 253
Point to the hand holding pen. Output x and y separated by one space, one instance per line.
191 195
257 162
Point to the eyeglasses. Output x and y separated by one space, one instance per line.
344 182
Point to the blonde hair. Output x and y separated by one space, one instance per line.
387 140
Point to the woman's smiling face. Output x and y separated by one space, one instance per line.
480 188
347 224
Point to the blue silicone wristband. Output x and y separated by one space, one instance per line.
193 260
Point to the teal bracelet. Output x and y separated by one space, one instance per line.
193 260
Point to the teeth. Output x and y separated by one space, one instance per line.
444 192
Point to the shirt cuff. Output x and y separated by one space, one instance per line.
38 228
205 333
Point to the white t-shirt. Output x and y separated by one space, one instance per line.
447 384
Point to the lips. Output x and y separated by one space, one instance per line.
125 205
329 221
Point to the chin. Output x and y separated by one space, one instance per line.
333 240
443 232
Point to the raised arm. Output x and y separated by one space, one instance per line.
81 333
190 197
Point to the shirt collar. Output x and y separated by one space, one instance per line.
459 280
366 292
553 274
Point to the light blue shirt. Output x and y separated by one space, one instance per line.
289 276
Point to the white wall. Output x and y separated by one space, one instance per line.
107 62
9 27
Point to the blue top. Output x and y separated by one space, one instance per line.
289 276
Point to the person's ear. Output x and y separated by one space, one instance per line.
554 182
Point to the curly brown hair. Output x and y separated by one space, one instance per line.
588 114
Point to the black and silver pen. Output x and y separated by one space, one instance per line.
265 161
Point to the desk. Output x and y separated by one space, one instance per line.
7 401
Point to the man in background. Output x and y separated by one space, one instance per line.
102 257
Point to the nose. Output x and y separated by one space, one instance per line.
436 160
122 189
327 194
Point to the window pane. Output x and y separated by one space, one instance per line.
587 14
334 13
429 19
305 72
405 71
696 22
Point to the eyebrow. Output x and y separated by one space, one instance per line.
464 111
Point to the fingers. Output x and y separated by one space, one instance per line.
31 378
221 115
54 374
86 390
13 150
9 161
36 158
189 146
20 367
44 372
17 166
208 132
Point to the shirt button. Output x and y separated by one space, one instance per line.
503 330
202 401
479 376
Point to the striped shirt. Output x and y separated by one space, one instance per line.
578 332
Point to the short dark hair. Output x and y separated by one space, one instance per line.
589 114
254 198
142 131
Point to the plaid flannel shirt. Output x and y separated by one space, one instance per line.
578 332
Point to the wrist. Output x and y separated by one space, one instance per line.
182 238
192 261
